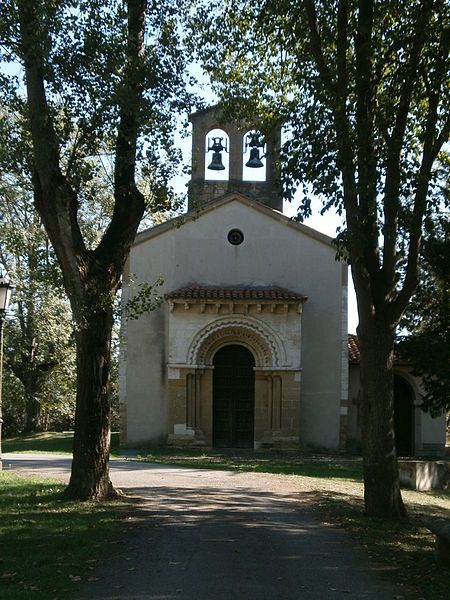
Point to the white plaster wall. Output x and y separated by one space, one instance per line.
145 380
273 253
433 429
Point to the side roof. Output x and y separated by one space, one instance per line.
354 352
176 222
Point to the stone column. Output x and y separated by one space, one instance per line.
274 402
193 400
282 408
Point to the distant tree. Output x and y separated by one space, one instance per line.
103 78
427 319
39 337
363 87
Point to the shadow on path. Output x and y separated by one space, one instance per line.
196 543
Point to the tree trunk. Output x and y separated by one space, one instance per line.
32 408
90 474
381 480
91 277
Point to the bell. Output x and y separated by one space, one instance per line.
216 162
216 147
254 143
254 161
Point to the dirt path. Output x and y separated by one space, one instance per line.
216 535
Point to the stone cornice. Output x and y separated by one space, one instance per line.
235 306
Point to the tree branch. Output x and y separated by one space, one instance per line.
395 145
54 198
129 202
367 163
337 94
316 48
431 147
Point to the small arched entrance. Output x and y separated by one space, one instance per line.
233 397
403 417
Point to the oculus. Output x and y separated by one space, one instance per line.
235 237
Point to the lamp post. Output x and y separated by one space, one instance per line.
5 298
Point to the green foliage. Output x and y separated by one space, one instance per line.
427 318
84 65
364 90
261 54
50 545
85 49
145 298
39 346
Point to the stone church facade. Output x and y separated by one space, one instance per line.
249 345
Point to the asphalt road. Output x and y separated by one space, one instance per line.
216 535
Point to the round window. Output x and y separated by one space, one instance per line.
235 237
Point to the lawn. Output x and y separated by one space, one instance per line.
317 466
49 546
405 549
49 441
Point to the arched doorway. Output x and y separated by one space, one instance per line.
233 397
403 417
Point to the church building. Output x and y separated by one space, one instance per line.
249 346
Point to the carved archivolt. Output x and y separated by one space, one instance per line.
264 344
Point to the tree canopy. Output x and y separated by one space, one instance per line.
99 92
427 318
39 344
363 88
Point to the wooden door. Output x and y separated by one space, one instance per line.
403 417
233 398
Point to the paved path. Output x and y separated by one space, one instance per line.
215 535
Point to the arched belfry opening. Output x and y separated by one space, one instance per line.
403 416
248 154
254 156
217 160
233 397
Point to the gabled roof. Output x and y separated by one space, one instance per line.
198 292
177 222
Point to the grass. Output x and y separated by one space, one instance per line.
283 463
49 441
404 550
49 546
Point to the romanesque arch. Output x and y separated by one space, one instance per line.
260 339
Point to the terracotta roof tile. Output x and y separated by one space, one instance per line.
199 292
353 348
354 351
